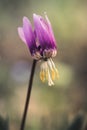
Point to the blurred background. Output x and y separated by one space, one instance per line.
51 108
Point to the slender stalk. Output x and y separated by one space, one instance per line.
28 96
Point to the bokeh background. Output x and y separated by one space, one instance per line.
51 108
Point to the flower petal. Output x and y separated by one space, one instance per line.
21 34
50 30
29 34
42 32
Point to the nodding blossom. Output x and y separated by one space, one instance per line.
42 45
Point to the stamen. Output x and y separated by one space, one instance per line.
50 64
48 72
54 68
43 71
50 82
42 76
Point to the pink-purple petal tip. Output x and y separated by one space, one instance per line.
21 34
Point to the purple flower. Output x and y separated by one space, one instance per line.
44 32
27 35
41 43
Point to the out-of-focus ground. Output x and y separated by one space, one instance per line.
51 108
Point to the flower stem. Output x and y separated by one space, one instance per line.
28 96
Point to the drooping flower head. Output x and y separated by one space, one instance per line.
42 45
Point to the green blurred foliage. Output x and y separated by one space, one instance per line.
51 108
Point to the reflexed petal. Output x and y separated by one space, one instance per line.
29 34
50 30
21 34
42 32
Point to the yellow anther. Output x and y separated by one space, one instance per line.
42 76
46 74
53 74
